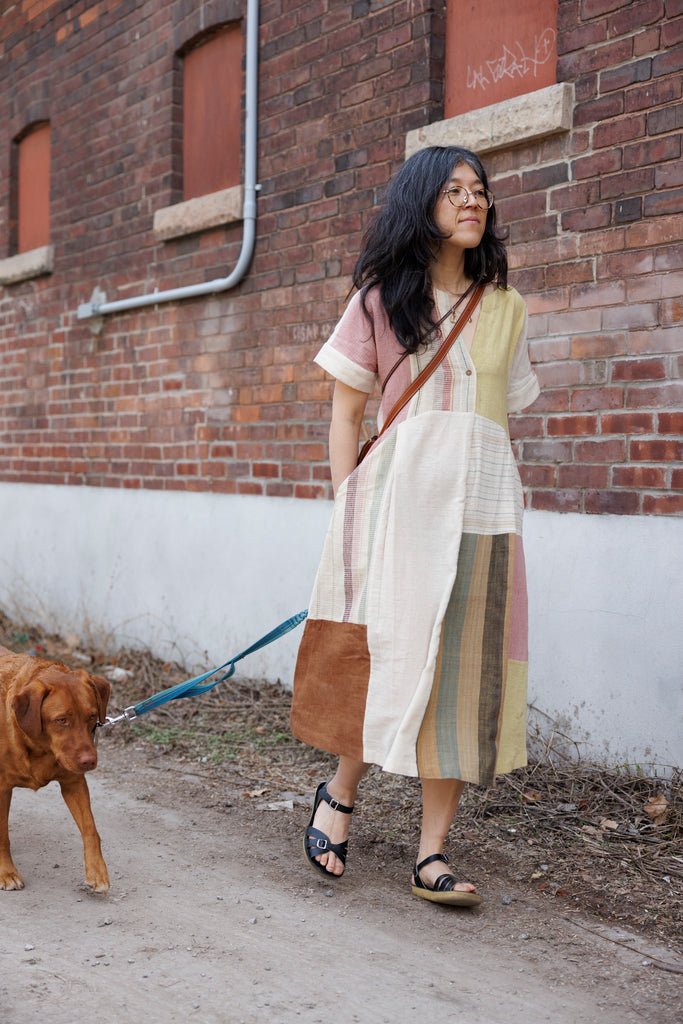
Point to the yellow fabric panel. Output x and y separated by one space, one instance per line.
512 743
499 327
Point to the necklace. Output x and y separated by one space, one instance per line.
453 314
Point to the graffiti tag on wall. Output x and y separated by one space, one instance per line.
513 63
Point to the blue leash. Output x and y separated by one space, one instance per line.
193 687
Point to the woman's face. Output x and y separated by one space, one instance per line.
462 226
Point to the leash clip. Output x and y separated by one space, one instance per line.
127 715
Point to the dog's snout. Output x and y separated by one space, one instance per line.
87 760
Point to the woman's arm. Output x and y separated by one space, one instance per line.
348 407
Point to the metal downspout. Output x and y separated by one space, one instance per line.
96 309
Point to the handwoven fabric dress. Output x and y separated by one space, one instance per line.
414 653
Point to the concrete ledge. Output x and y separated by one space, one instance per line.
210 211
535 115
26 265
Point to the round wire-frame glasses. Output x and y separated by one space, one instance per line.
459 196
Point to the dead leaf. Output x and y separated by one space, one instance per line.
256 792
657 809
608 825
531 797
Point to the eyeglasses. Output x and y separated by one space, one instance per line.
459 196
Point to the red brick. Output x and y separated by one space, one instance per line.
556 500
672 32
572 426
612 450
627 74
620 503
668 62
546 451
670 422
602 242
525 426
634 17
596 164
655 340
556 400
552 375
595 216
599 346
628 264
669 175
583 476
538 476
630 317
663 504
639 477
625 129
652 151
589 399
657 395
656 451
638 369
627 423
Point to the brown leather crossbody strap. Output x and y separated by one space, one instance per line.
438 358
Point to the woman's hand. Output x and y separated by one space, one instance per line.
348 407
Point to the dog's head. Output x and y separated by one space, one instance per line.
58 709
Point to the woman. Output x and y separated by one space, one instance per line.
414 652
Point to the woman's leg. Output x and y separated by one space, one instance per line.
343 787
440 799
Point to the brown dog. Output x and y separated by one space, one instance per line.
48 715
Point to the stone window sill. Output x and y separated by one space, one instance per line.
200 214
26 265
536 115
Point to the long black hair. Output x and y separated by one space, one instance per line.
403 240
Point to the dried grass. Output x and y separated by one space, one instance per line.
605 839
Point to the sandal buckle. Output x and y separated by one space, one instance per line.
321 844
334 804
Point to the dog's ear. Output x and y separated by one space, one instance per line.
102 689
27 706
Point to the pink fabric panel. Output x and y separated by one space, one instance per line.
519 620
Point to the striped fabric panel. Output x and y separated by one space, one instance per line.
494 502
340 588
466 718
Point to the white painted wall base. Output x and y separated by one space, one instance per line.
199 577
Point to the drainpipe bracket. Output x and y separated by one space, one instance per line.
89 310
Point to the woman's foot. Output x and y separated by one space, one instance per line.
325 839
431 882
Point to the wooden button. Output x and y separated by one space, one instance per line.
468 372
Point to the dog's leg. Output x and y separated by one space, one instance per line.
77 799
9 876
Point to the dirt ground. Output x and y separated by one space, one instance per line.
213 915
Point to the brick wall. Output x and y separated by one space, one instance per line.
221 393
596 229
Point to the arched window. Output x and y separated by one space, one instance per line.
212 93
33 189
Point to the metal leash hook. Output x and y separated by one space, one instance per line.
127 715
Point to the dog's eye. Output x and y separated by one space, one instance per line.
62 721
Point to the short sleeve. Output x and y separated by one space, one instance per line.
523 387
350 353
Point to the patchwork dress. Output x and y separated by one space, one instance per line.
414 653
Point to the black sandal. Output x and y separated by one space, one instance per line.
316 842
443 890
